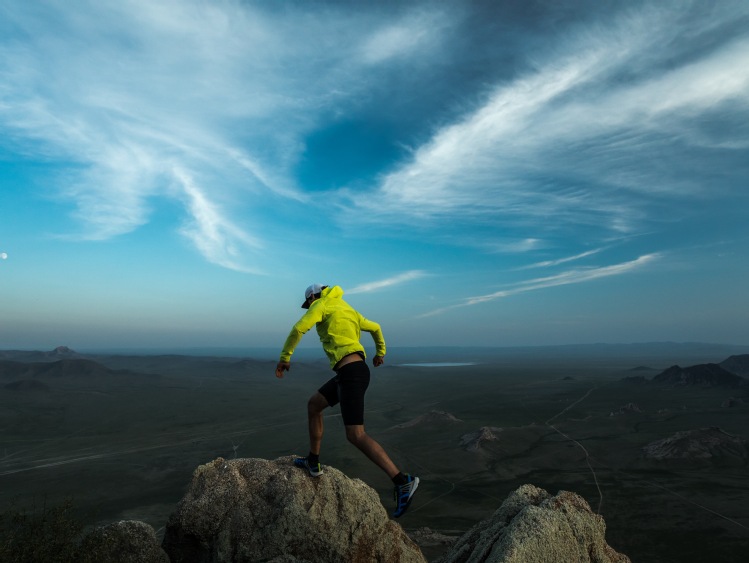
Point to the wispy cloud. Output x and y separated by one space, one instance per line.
558 261
414 32
593 137
569 277
217 239
126 93
389 282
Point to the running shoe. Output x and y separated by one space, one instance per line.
314 470
403 495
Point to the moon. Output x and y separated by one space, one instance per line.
3 255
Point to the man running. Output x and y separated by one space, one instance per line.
339 327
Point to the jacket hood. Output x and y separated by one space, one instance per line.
334 292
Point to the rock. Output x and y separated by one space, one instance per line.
531 526
127 541
245 510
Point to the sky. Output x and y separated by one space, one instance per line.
174 173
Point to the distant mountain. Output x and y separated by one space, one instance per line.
737 364
706 375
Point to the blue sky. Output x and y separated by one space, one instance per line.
176 172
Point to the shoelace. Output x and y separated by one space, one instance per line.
399 490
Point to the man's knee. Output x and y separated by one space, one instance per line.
355 434
316 404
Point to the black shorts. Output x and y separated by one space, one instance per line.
348 387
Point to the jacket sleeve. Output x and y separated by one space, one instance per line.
374 329
310 319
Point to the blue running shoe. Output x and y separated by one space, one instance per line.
403 495
314 470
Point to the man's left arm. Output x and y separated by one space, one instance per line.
374 329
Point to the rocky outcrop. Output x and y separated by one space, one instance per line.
705 444
532 526
127 541
474 441
245 510
705 375
252 510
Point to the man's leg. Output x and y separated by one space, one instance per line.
357 436
316 404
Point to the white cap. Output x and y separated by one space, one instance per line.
314 289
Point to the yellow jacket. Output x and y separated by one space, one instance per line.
339 326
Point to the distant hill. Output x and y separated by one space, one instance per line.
59 353
626 409
429 418
10 369
706 375
26 385
737 364
58 369
475 441
73 367
703 444
635 379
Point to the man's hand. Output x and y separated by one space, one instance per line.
377 361
282 367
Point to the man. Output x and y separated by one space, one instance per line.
339 327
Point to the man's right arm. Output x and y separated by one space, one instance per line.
308 320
